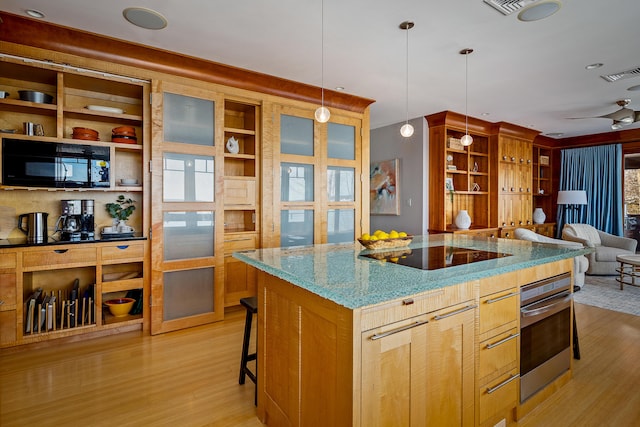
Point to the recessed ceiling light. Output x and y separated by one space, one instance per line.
485 114
594 66
538 11
145 18
339 88
554 134
634 88
34 13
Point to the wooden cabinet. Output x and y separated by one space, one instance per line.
315 189
104 270
547 229
242 136
81 99
544 192
420 371
239 277
498 349
404 362
461 177
515 186
8 297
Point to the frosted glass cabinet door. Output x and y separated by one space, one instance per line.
296 227
340 225
187 178
296 181
188 235
188 120
188 293
341 186
341 142
296 135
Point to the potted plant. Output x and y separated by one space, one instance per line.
120 211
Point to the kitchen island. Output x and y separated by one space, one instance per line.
352 337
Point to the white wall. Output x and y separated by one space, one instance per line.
413 152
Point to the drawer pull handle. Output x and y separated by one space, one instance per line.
1 301
491 301
454 312
123 247
400 329
502 341
407 301
60 251
502 384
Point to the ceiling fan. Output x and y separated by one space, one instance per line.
623 117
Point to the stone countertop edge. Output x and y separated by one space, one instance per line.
338 273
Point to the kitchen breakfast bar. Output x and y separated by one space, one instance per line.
428 334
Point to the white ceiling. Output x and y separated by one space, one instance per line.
527 73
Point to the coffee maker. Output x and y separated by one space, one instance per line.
77 221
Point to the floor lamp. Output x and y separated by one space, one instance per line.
571 199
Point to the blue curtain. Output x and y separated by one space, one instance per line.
598 171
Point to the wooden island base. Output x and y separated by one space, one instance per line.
417 360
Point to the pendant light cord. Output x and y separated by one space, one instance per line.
466 93
407 75
322 50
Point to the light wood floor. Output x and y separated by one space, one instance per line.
190 378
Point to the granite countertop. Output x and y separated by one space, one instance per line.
341 273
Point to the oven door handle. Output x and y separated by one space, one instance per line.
543 305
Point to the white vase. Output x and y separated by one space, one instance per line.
463 220
538 216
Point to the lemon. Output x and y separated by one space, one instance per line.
377 232
383 235
366 236
394 234
373 238
402 234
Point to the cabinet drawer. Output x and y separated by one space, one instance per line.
239 191
499 283
125 250
7 291
56 257
499 394
499 309
239 244
378 315
498 353
8 260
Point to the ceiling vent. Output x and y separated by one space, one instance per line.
507 7
634 72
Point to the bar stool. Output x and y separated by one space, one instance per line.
251 305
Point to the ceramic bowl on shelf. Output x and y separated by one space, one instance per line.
129 181
4 94
85 134
120 307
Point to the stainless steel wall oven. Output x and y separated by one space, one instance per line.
545 333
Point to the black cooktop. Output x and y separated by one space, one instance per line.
435 257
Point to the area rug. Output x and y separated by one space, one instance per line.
604 292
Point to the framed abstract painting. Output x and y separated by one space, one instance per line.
383 189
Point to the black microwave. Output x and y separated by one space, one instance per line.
54 164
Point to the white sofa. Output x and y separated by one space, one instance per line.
602 261
580 263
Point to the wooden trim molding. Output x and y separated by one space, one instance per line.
29 32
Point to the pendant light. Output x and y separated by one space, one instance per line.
466 140
407 130
322 113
